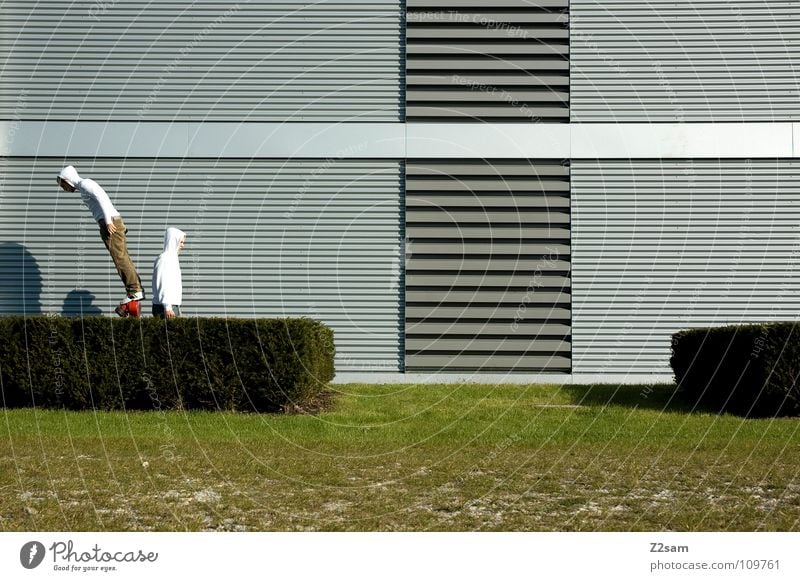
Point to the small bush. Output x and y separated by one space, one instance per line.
749 370
192 363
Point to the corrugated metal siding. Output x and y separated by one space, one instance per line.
665 245
667 60
317 238
487 266
204 61
474 60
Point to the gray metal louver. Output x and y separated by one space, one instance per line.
472 60
181 60
674 61
316 238
663 245
487 266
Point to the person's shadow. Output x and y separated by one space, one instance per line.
20 281
80 303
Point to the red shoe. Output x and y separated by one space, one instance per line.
129 309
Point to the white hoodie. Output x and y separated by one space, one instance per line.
167 285
95 197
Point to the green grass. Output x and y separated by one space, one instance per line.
400 457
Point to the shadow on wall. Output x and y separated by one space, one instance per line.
20 281
80 303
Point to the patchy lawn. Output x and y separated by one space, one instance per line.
406 457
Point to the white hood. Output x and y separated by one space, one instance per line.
167 283
70 174
172 238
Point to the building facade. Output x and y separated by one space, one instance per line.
514 188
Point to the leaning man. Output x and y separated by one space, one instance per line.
112 231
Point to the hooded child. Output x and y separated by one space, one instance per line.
167 283
112 232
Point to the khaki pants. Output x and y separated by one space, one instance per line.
117 246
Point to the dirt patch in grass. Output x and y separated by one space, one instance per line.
321 402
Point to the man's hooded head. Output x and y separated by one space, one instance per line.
69 175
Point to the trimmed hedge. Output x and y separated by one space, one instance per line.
191 363
749 370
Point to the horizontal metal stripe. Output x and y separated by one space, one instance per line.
759 198
493 344
481 4
472 328
709 60
686 141
506 183
521 203
417 112
122 75
444 214
604 316
733 266
779 97
506 296
688 165
415 31
487 279
726 231
417 265
664 281
506 96
699 27
518 65
495 142
198 114
477 362
719 258
182 5
482 16
246 100
456 48
487 79
658 334
690 7
186 141
493 231
727 49
470 247
710 83
740 13
486 313
466 169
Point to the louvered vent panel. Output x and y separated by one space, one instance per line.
470 60
487 266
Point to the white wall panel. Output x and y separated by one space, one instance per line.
663 245
681 60
179 60
316 238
